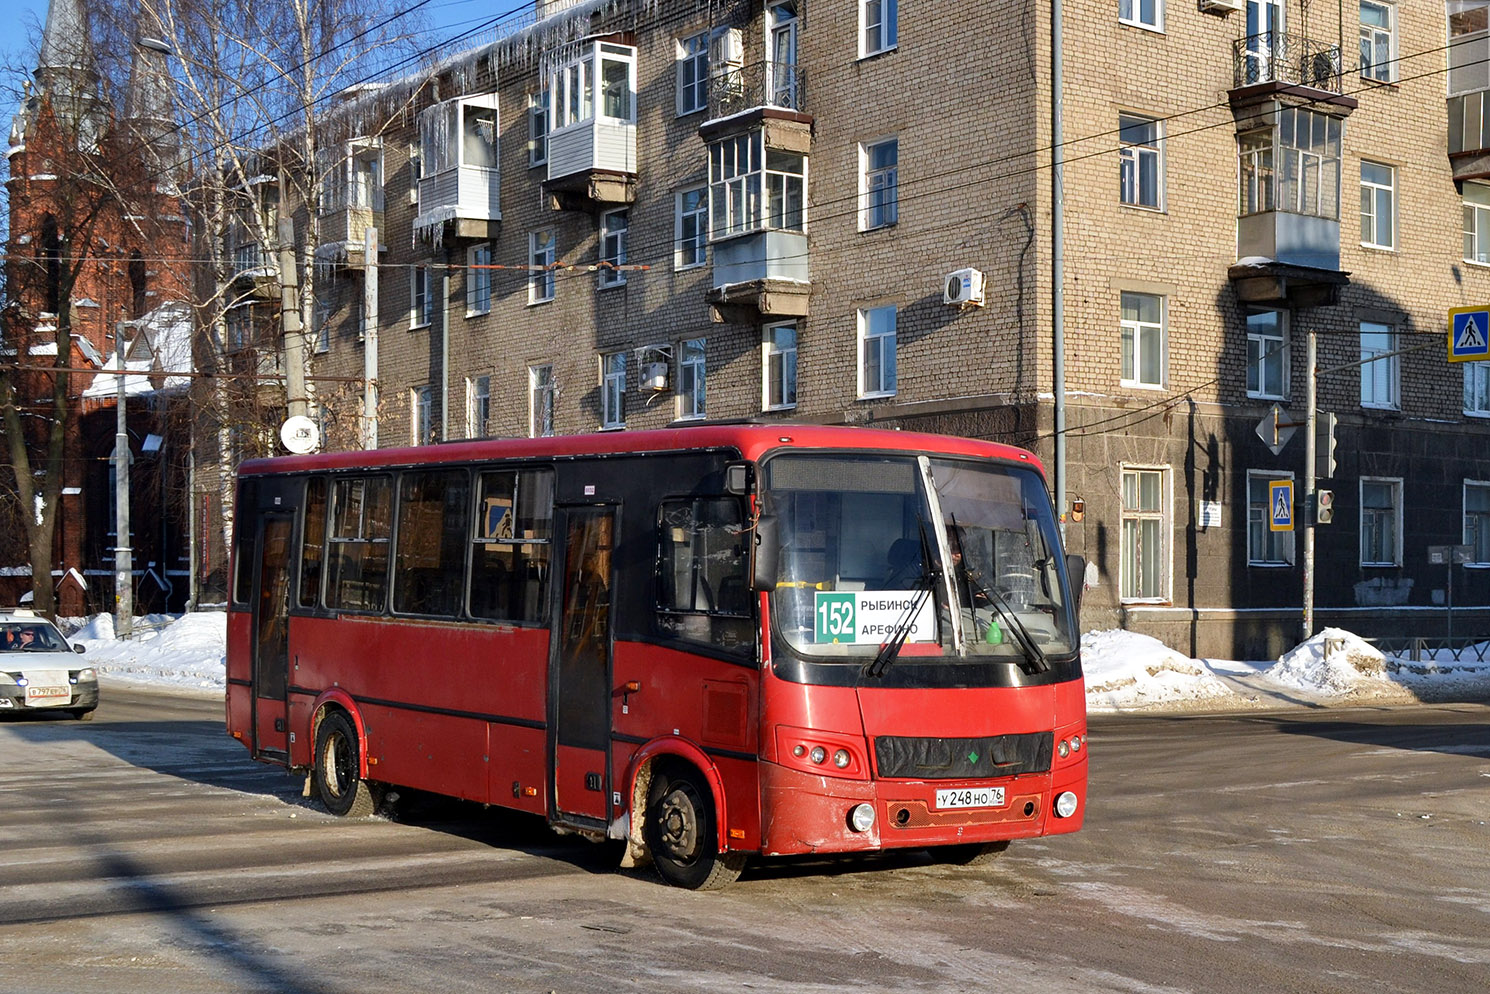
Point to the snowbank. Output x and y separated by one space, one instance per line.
1126 670
186 653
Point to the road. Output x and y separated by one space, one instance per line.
1316 851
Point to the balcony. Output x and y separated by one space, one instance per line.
253 274
460 192
1280 60
351 200
592 146
778 85
1469 135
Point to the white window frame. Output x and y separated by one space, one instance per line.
1164 516
422 415
881 344
752 188
879 27
1381 375
693 73
613 390
478 406
478 281
779 367
421 298
1477 389
1477 528
1132 158
1259 521
1476 202
691 250
1371 37
1394 484
1134 334
578 86
539 125
1260 348
1135 15
693 379
879 186
1378 202
615 227
541 282
543 396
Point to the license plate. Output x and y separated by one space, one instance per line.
971 797
47 695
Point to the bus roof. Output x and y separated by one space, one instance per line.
752 440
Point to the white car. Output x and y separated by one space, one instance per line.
38 671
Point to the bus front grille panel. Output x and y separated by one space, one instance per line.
963 759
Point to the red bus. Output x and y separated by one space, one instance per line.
710 642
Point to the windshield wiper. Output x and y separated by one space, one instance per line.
1035 661
890 650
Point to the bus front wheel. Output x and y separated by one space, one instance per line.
682 834
338 776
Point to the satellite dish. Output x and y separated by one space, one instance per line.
300 434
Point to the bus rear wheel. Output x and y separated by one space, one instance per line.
338 764
970 853
682 834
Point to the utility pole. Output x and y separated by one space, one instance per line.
1057 259
370 340
290 323
1311 512
124 607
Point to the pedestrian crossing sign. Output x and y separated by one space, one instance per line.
1469 334
1280 505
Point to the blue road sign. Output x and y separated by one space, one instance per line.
1280 505
1469 334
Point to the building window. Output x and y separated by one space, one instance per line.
580 89
1143 339
1294 167
779 366
692 234
478 279
1381 522
537 128
613 390
878 27
541 256
880 184
416 173
240 321
1380 382
478 406
691 380
1267 354
1265 547
422 407
320 319
1477 521
1477 388
613 231
1142 13
693 73
877 352
1378 183
1476 222
1256 152
740 171
461 132
421 300
1377 30
1144 529
1140 171
542 394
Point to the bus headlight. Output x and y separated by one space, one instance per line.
818 754
861 817
1065 804
841 759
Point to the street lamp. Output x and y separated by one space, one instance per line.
123 554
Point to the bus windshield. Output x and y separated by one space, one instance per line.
958 557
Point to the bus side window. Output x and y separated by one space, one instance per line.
313 542
430 557
361 522
243 531
701 557
512 538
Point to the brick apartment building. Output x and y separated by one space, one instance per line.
633 213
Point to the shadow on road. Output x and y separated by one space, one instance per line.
1459 730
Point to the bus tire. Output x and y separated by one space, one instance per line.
338 762
970 853
682 834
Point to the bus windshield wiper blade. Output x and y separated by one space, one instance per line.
890 650
1034 655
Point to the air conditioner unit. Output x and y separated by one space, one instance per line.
1221 6
654 376
964 288
726 50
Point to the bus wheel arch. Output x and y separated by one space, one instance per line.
682 819
338 770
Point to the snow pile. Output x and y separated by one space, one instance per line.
187 652
1126 670
1334 662
1446 675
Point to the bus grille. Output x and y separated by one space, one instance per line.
963 759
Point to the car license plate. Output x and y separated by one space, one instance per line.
47 696
970 797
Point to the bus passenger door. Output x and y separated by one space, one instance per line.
271 634
579 688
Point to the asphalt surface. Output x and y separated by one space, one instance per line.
1298 850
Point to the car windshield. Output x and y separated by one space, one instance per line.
30 636
863 544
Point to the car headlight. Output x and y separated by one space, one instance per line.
88 674
7 680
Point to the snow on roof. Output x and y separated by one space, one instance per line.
162 342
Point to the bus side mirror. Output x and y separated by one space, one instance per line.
737 478
764 554
1076 577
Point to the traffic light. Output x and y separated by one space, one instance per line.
1324 506
1324 445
